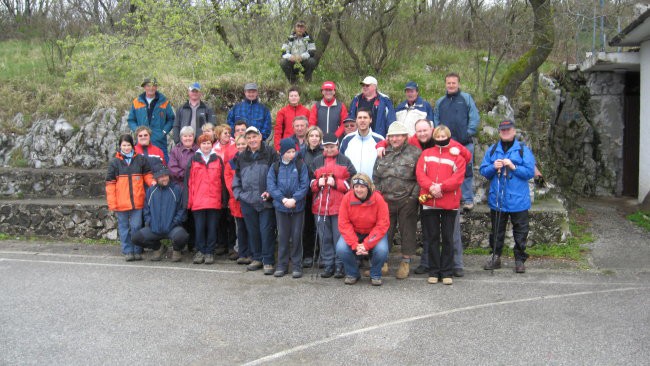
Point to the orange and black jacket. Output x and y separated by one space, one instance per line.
125 183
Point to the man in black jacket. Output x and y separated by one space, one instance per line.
193 113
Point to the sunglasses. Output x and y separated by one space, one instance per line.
359 181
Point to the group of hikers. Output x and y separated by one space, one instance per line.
336 185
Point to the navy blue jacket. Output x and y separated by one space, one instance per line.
383 112
251 170
289 183
164 208
458 112
511 186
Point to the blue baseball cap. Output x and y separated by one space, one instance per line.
411 85
194 86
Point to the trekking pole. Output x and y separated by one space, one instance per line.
318 219
496 222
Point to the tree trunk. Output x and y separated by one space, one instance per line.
543 41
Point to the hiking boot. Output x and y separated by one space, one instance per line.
329 272
268 269
458 272
402 270
384 269
198 258
220 251
244 260
296 274
432 280
177 256
159 254
307 262
520 267
339 272
278 273
376 281
493 262
209 259
129 257
421 269
349 280
233 255
447 281
137 256
468 206
254 266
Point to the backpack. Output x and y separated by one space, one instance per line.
299 165
521 151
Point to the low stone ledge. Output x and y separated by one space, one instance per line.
78 218
51 183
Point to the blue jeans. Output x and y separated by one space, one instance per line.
128 223
467 188
378 256
243 248
261 236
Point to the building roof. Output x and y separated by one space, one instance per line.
635 33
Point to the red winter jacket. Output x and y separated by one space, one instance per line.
205 183
284 122
444 165
370 217
327 201
233 204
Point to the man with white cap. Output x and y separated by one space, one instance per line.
252 111
394 177
193 113
380 106
413 108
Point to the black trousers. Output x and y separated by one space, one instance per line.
519 232
436 224
227 236
147 239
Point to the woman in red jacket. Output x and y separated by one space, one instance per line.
244 255
440 172
363 223
206 193
286 115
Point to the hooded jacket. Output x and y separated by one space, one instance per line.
159 117
251 170
369 218
205 183
125 183
444 165
290 182
511 186
326 201
163 208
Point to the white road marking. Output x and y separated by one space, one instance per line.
305 346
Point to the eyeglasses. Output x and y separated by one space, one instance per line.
147 135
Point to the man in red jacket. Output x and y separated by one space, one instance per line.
285 117
363 223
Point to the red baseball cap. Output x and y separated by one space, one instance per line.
328 85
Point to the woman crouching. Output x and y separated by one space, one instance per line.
363 223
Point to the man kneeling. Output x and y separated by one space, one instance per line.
363 223
164 213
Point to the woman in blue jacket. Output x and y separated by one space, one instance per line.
508 165
288 184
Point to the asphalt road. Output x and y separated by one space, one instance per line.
70 305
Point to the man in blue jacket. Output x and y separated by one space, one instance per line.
152 109
380 106
458 111
252 111
508 165
164 213
413 109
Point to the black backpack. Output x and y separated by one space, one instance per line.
299 164
521 151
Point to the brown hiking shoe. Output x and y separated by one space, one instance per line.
384 269
402 270
159 254
177 256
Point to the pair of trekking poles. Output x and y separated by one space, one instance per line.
501 191
319 225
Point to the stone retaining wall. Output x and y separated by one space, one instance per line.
34 183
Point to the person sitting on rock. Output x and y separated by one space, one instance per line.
164 213
364 223
299 49
508 165
154 155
